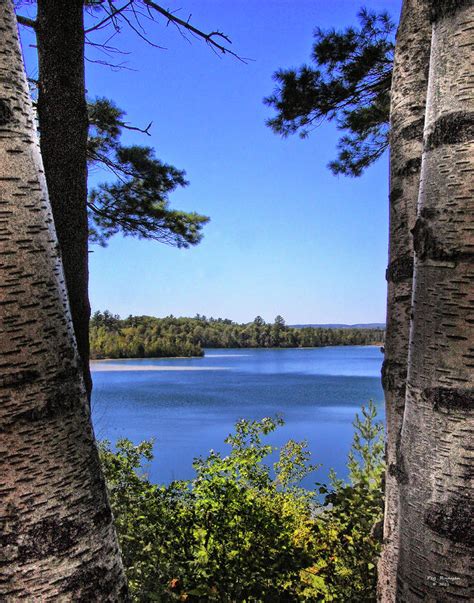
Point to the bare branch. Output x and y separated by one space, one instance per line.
113 66
140 35
127 126
110 16
209 38
217 40
26 21
105 48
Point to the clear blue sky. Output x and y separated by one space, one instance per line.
286 236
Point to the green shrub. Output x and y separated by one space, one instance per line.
344 537
244 531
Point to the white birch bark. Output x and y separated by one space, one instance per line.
407 114
436 504
57 537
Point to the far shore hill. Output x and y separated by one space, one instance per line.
364 325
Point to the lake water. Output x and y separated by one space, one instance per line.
190 405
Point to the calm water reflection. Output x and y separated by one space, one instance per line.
189 410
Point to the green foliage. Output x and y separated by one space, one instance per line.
139 337
244 531
137 202
145 336
346 538
349 83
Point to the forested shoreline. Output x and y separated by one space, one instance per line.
150 337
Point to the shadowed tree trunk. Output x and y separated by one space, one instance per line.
57 537
436 505
63 122
407 113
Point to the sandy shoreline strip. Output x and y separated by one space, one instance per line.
97 367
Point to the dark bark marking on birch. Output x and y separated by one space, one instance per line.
414 131
428 246
49 537
446 398
55 406
412 166
71 372
6 113
102 516
10 529
400 269
19 378
402 298
398 472
428 212
453 519
398 468
377 531
394 376
395 195
94 585
453 128
441 9
8 539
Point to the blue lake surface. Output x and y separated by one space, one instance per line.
190 405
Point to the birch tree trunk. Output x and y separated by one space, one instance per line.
436 505
63 122
57 537
407 114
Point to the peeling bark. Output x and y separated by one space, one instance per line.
56 529
407 112
436 510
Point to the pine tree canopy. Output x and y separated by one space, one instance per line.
136 204
348 82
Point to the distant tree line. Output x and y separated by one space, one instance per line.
147 336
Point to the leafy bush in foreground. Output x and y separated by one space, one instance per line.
240 531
